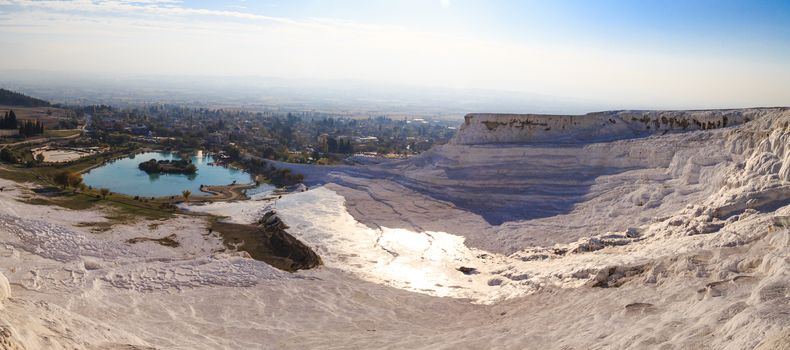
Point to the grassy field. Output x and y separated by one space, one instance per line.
17 176
50 116
119 208
61 133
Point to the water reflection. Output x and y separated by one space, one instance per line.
123 176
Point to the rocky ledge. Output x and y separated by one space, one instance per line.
269 242
486 128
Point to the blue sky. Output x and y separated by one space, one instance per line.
670 26
623 53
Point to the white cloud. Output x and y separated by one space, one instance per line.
161 8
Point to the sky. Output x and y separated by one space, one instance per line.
626 54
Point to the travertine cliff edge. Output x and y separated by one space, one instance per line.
484 128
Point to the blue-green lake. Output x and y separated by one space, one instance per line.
123 176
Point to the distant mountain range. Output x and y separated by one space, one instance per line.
347 97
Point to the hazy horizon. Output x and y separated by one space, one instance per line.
581 56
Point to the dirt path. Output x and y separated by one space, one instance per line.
41 140
219 193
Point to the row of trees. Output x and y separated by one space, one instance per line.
9 121
278 177
30 128
339 146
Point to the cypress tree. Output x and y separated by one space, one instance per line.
12 122
30 128
5 123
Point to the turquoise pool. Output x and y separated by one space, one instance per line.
123 176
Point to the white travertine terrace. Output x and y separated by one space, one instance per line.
599 236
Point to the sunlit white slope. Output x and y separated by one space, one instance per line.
425 262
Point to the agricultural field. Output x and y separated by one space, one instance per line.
52 117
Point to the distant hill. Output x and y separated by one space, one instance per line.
12 98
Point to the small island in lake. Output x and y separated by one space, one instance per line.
154 166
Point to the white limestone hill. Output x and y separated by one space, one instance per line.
601 235
528 191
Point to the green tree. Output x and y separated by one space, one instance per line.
62 179
7 156
9 121
233 152
104 192
186 194
40 157
68 179
298 178
74 180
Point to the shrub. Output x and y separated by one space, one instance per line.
66 178
6 155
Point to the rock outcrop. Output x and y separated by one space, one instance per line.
268 241
487 128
